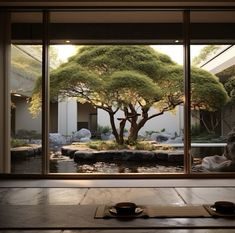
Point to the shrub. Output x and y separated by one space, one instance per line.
100 145
17 143
27 134
144 146
96 145
103 129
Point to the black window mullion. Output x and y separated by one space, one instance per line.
45 94
187 109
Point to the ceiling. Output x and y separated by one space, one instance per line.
166 3
126 17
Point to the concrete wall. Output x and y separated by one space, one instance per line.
87 116
170 122
63 116
24 119
67 116
84 111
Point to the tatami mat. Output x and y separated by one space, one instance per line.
82 217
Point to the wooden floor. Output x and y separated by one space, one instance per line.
96 196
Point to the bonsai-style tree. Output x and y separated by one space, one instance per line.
131 79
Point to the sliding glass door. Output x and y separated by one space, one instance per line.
116 89
25 77
111 93
212 92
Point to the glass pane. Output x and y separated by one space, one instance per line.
25 78
213 86
118 111
116 108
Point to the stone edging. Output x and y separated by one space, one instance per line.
176 157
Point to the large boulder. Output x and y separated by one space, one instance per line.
216 163
57 139
85 139
83 135
107 136
226 162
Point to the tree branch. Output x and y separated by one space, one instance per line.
168 108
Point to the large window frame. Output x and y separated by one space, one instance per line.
45 107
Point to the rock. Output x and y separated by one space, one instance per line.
141 137
175 140
107 136
85 140
37 148
115 155
68 151
176 157
216 163
160 137
161 156
22 152
224 163
36 141
57 139
83 155
144 155
81 134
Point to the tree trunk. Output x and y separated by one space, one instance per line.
135 127
134 130
211 123
133 135
121 131
114 129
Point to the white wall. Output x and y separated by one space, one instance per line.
67 116
24 119
170 122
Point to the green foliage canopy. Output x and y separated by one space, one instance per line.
132 79
205 53
207 92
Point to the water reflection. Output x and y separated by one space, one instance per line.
63 164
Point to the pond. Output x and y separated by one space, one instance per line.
64 164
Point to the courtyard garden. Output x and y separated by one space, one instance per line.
133 85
